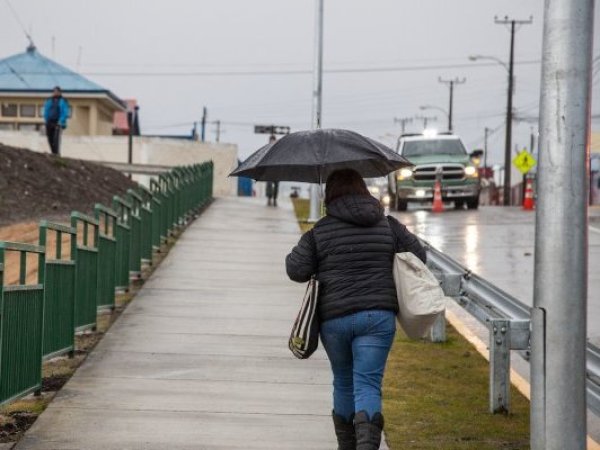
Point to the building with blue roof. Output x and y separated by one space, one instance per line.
28 78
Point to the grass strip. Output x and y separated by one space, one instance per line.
302 210
435 396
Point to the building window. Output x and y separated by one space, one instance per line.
29 126
9 109
6 126
40 109
27 110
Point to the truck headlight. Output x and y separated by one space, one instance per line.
405 174
471 171
386 200
374 190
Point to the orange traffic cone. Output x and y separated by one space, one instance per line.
528 201
438 205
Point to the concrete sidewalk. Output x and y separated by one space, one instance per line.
199 359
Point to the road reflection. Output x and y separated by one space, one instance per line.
498 244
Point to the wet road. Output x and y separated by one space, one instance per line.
498 244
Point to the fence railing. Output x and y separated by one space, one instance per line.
107 253
135 243
21 330
59 289
80 267
508 322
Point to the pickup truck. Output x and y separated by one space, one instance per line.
435 156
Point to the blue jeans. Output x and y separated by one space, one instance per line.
358 346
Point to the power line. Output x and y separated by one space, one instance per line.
300 71
18 19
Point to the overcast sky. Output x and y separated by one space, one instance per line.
176 56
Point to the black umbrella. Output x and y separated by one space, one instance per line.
311 156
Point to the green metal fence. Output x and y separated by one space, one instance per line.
123 235
168 191
85 250
135 244
59 290
147 215
107 253
39 320
158 195
21 320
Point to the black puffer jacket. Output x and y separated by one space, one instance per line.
351 250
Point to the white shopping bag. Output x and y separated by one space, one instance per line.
420 298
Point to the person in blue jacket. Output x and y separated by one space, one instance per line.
56 113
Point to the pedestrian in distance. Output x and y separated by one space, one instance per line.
272 186
56 113
351 252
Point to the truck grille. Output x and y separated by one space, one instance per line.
449 172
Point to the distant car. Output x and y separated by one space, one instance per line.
378 189
434 156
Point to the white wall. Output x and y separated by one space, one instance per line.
146 150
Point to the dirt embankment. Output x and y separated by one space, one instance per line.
36 186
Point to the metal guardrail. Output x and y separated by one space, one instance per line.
508 321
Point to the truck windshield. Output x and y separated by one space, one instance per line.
433 147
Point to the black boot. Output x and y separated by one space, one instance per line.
344 430
368 432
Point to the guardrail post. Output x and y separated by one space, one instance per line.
499 366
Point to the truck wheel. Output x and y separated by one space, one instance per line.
459 204
401 204
473 203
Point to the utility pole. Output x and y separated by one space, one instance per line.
130 139
559 314
203 125
314 213
451 83
218 131
509 103
403 121
426 120
486 133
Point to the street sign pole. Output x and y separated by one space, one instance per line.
317 105
558 381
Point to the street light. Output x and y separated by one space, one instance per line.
490 58
315 202
437 108
509 120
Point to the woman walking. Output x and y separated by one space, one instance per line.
351 252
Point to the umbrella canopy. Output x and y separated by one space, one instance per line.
310 156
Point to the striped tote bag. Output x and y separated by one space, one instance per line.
304 339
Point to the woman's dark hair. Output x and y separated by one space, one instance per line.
344 182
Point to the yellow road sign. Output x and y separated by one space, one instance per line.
524 161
